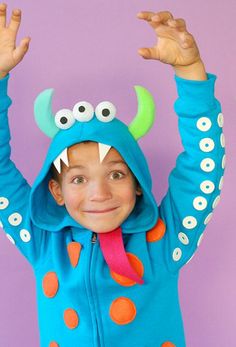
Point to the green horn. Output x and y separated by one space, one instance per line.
145 116
43 113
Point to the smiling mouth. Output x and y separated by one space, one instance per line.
102 211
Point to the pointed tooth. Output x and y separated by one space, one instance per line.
57 164
103 150
64 157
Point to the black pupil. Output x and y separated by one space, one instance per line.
105 112
63 120
81 108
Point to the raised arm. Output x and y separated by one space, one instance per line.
196 181
14 189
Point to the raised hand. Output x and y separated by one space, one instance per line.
175 45
10 55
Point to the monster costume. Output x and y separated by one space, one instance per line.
119 289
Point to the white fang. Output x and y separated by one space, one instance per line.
64 157
103 150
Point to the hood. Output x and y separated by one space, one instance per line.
94 126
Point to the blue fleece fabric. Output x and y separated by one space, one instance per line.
105 312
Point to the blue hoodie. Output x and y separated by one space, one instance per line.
81 300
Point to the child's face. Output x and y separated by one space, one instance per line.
99 196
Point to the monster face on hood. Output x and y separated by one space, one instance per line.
83 123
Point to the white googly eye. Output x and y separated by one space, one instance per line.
207 165
83 111
25 235
207 144
200 203
105 111
204 124
15 219
189 222
207 187
64 119
177 254
183 238
4 202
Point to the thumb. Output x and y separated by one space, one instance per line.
149 53
20 50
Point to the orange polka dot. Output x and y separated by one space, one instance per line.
136 264
122 311
71 318
157 232
168 344
74 249
53 344
50 284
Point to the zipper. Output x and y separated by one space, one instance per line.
93 243
94 238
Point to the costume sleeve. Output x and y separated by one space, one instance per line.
196 181
14 192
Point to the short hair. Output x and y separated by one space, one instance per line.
53 171
56 176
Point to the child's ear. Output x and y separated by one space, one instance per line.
139 191
56 192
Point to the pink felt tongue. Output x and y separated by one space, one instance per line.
113 250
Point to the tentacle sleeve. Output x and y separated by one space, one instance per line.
196 181
14 192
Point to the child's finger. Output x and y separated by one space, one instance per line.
147 15
162 17
15 20
187 40
3 9
149 53
178 23
20 50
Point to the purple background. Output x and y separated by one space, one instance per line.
87 50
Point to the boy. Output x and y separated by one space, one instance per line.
122 288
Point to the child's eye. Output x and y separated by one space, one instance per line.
78 180
117 175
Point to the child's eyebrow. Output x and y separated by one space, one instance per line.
116 162
112 162
76 167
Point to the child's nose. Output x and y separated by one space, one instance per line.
99 191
